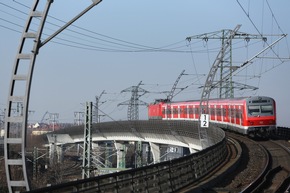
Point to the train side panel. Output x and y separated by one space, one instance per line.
155 111
248 115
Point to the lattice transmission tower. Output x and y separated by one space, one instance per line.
227 86
210 84
134 102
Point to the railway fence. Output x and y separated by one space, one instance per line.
283 132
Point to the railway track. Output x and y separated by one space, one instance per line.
264 166
278 171
247 169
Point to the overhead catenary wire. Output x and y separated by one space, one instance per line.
126 46
254 25
93 47
122 46
80 38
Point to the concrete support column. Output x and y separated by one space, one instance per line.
155 152
59 151
121 154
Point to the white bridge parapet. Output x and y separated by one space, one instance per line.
155 133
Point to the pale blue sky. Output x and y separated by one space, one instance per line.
117 44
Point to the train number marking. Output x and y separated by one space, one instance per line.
204 120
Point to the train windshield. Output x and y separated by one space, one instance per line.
260 110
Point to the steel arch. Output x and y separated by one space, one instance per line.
209 86
19 93
15 124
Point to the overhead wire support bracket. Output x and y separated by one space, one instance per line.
170 96
95 2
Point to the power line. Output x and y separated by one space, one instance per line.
122 46
254 25
125 44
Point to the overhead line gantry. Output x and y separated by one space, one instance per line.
226 88
210 84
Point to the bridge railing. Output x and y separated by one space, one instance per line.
168 176
283 132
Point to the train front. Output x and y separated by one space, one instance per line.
260 116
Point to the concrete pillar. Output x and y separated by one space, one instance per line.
155 152
121 154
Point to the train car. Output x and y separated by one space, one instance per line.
254 116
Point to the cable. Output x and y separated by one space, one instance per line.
141 48
131 47
257 29
128 46
192 58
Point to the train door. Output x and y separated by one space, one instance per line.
238 114
175 112
218 113
212 112
244 114
222 113
215 113
164 112
227 113
232 114
168 112
190 111
196 112
183 112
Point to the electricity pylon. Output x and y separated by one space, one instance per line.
134 102
226 87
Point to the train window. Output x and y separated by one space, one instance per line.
184 111
267 109
197 111
175 111
260 110
190 110
213 112
238 113
220 112
224 111
254 109
233 112
260 101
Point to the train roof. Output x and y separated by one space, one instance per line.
219 99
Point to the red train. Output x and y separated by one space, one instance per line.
253 116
